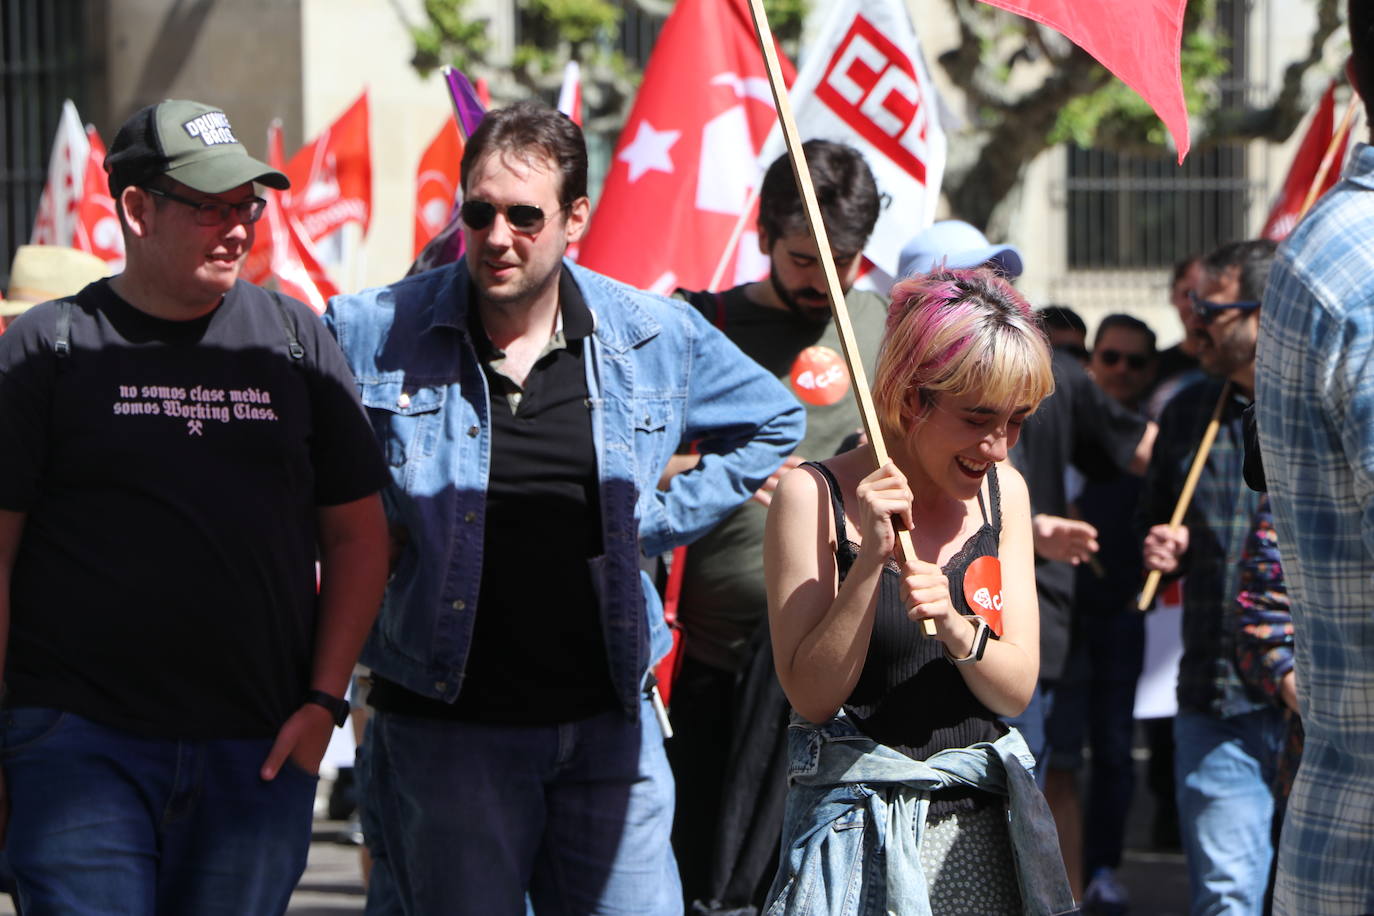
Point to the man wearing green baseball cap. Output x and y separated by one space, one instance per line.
180 447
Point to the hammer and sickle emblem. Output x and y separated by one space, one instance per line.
194 428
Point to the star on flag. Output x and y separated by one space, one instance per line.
649 151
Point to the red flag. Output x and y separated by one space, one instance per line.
97 224
1137 40
1302 173
436 183
685 169
282 250
331 178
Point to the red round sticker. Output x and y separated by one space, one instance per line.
819 376
983 590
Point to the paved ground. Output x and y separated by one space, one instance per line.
1158 882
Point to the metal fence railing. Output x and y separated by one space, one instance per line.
42 62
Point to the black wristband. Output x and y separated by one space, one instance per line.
337 708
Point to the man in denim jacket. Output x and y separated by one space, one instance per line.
527 408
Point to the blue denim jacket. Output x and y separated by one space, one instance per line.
856 811
657 374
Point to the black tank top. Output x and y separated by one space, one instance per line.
908 695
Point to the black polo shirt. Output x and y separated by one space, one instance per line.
538 650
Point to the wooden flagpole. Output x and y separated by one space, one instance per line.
832 279
1147 594
1336 145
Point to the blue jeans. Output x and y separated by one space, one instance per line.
102 821
1096 698
1225 770
473 818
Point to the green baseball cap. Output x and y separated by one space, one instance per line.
189 142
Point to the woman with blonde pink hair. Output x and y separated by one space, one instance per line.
907 792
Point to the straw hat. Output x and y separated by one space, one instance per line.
42 272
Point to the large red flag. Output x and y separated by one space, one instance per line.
685 168
436 183
1302 174
1138 40
331 178
282 250
97 225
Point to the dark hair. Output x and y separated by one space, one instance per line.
527 129
1061 318
1253 258
1360 17
1182 267
845 190
1126 323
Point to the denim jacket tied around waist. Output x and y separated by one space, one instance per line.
657 375
856 813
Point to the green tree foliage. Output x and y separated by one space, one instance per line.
552 32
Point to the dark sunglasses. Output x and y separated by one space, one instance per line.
1136 361
479 214
216 213
1206 310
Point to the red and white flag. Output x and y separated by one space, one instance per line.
282 250
57 207
570 95
331 178
1302 174
1139 41
97 224
436 183
685 170
864 82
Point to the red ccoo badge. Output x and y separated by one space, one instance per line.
819 376
983 589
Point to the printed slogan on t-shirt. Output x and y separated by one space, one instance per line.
197 407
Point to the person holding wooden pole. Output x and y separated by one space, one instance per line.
1227 735
890 724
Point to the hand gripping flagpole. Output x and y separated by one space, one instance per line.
843 325
1147 594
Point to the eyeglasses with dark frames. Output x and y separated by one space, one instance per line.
216 213
1135 361
1206 310
526 218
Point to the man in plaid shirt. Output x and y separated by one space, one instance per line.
1316 424
1227 734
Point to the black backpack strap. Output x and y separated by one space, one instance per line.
62 345
293 344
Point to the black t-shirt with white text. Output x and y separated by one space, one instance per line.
170 473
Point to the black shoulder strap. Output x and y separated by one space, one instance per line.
62 344
293 345
836 500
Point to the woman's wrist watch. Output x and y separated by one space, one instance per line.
980 642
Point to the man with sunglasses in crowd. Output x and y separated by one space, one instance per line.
1095 698
528 408
1227 734
180 447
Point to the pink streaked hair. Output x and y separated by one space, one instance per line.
958 331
